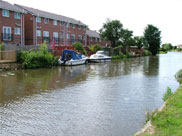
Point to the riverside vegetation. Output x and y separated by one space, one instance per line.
168 122
37 59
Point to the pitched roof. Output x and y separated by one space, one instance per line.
41 13
92 33
8 6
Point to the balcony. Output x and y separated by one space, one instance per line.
56 39
7 37
46 39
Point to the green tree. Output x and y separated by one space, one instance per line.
140 42
126 38
153 38
79 47
167 46
111 31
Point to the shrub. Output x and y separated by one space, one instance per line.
178 76
167 94
117 50
147 53
37 59
2 46
79 47
179 49
95 47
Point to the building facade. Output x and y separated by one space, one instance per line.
93 37
43 26
11 24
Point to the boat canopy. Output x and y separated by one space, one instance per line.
70 54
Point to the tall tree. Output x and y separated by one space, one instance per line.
153 37
140 42
111 31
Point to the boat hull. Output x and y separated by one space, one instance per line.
99 60
73 62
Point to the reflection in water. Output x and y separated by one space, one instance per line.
97 99
29 82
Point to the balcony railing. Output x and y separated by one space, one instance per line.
56 39
47 39
7 37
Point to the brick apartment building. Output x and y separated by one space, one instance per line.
11 24
44 26
93 37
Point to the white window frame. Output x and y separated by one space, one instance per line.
80 37
62 35
5 27
67 25
46 19
16 15
55 34
5 13
38 19
38 33
45 33
17 31
61 23
73 26
67 36
79 27
55 22
90 38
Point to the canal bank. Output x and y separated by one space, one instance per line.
168 120
9 66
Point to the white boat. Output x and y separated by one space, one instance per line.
71 58
99 57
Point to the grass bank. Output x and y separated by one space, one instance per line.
168 122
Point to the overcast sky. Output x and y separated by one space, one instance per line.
134 14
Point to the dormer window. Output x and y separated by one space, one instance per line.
38 19
46 21
16 15
55 22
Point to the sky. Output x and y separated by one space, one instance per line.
135 15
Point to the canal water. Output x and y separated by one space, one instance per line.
108 99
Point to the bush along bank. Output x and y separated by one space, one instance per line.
129 54
37 59
168 121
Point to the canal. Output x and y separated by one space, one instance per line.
108 99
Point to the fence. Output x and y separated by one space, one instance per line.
8 56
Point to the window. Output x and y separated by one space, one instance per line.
55 22
73 26
38 19
38 33
79 38
72 38
90 38
67 25
5 13
46 34
61 23
68 36
61 35
16 15
17 31
95 39
7 33
55 36
46 21
79 27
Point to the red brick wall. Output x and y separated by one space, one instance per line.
29 33
10 22
28 29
